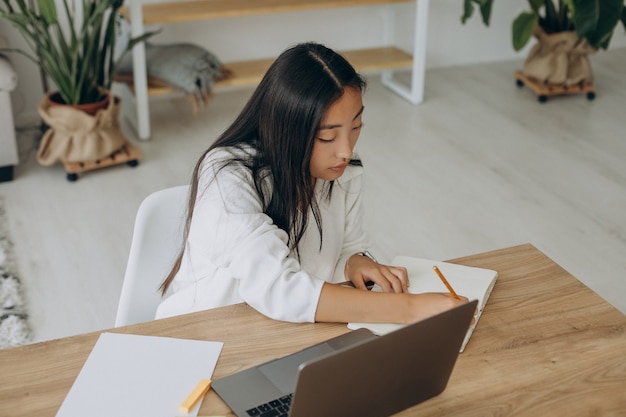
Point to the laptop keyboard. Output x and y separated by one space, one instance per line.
275 408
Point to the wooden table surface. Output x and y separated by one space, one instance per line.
546 345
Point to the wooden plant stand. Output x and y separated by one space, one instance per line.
127 154
543 91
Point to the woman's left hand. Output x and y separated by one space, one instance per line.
361 269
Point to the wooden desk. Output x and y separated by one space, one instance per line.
545 345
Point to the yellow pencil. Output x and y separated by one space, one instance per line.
197 393
446 283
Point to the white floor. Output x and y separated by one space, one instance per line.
480 165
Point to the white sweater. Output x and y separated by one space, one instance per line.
235 253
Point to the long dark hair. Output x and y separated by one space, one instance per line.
280 122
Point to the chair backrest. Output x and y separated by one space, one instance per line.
157 239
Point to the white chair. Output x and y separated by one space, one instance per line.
157 238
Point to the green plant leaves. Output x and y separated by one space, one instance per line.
48 11
484 7
78 57
535 5
523 28
593 20
596 19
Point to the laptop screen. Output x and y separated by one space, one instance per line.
392 372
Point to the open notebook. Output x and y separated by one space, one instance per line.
473 283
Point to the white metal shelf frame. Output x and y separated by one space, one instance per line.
414 92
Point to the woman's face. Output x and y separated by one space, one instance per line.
337 136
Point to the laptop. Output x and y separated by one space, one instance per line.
355 374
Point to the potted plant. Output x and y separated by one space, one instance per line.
566 31
74 44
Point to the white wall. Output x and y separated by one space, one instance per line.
449 42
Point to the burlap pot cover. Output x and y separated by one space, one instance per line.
75 136
559 58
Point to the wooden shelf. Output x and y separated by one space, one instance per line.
247 73
186 11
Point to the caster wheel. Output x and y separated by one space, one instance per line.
133 163
519 83
72 177
543 99
591 95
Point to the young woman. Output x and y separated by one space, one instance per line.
275 212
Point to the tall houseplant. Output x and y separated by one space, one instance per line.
73 45
73 41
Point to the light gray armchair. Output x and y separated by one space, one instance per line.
8 145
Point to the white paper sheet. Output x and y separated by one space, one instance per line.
131 375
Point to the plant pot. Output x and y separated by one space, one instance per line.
559 58
54 99
76 136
